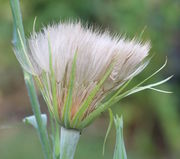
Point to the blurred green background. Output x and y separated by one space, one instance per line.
151 119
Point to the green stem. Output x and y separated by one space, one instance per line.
68 142
42 131
57 140
17 21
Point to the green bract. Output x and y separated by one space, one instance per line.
119 151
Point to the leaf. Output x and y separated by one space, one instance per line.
119 151
89 99
141 66
53 83
109 128
150 86
68 101
159 90
117 96
21 53
34 25
32 120
102 107
156 72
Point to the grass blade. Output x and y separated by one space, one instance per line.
68 102
109 128
53 82
119 151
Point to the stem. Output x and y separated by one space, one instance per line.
18 25
42 131
68 142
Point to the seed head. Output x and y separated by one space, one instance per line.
76 67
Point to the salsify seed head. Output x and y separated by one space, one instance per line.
76 67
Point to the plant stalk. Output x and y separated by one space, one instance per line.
68 142
42 131
18 25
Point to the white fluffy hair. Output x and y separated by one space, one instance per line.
96 51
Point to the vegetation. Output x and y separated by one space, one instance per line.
151 120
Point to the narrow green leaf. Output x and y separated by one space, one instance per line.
115 98
89 99
119 151
53 82
68 101
138 89
27 60
142 32
152 75
161 91
34 25
43 88
135 90
109 128
141 66
102 107
32 120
